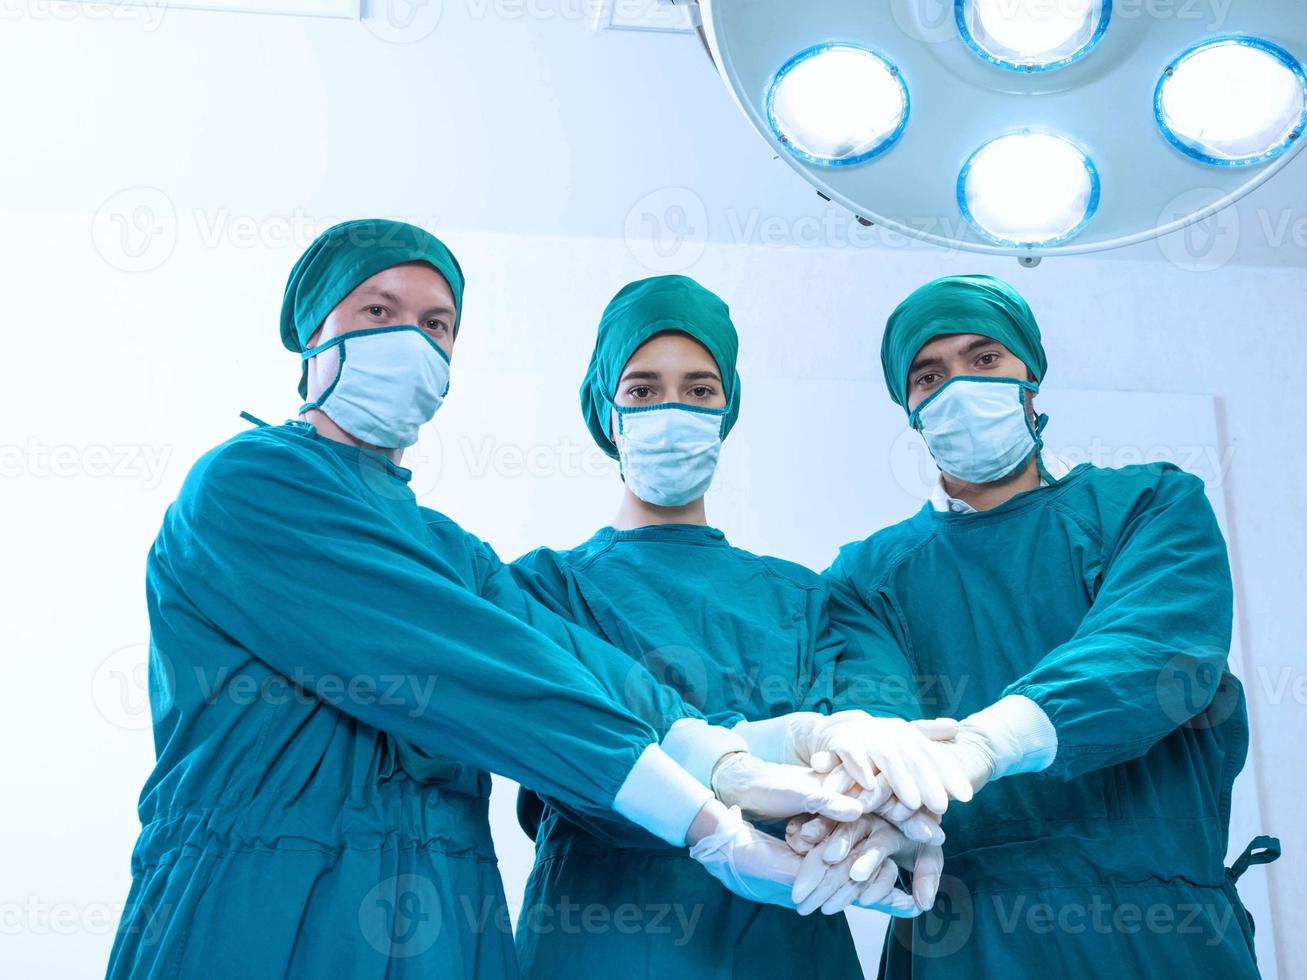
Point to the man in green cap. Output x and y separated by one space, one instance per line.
1084 615
310 624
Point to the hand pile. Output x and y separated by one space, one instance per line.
863 797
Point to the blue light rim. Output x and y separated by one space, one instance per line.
959 15
1194 153
1091 207
882 147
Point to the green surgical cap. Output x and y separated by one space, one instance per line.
344 256
641 310
953 305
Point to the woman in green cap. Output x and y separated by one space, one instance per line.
1084 615
734 632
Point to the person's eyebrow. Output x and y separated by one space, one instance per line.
641 376
980 342
437 310
377 291
703 376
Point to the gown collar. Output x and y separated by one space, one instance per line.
369 458
695 534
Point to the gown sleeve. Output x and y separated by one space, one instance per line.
541 577
310 578
1152 651
868 668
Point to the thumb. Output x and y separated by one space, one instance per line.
937 729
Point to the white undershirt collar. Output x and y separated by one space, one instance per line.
1056 466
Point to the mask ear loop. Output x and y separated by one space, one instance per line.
340 368
1038 432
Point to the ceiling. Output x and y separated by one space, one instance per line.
499 115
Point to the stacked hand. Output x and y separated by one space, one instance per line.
858 863
865 795
888 755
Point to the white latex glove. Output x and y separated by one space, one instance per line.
774 791
921 825
748 862
972 752
903 753
859 865
1011 736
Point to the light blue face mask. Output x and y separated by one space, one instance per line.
389 383
978 429
668 453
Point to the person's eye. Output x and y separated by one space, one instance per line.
988 359
376 311
702 391
640 391
926 380
437 326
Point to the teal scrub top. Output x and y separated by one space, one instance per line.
736 634
306 616
1106 599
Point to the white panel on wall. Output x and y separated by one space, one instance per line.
647 15
346 9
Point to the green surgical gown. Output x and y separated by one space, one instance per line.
305 617
1105 598
734 633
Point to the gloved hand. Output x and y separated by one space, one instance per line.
1013 735
748 862
972 752
903 753
774 791
921 825
859 864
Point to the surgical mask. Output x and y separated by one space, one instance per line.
979 429
668 453
390 381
